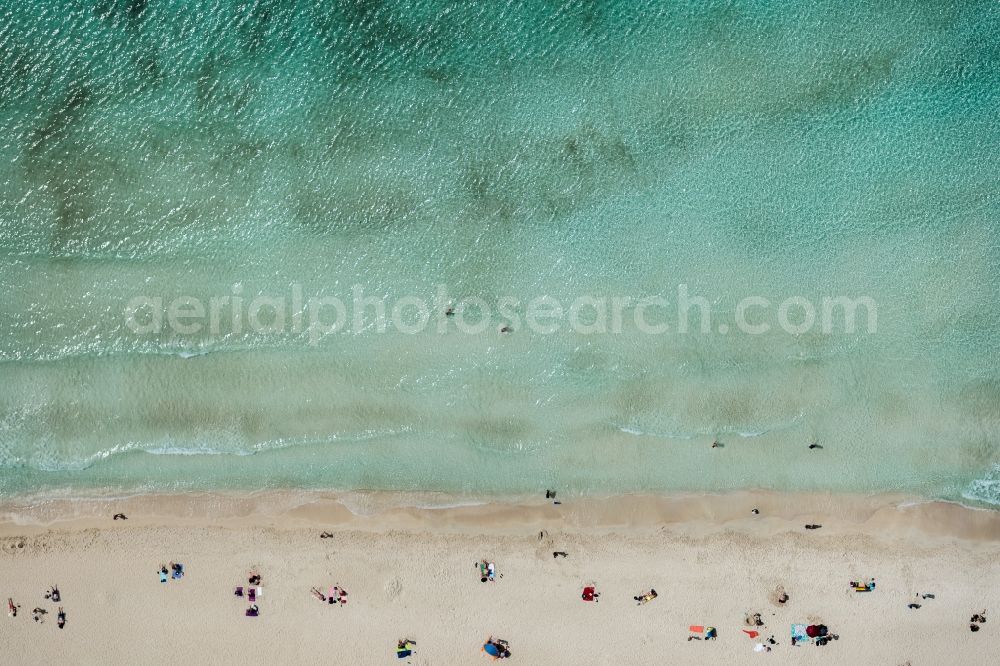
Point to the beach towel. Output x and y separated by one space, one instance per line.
491 650
696 628
403 654
178 572
163 576
799 633
239 591
588 594
252 594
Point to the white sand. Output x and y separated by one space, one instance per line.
410 573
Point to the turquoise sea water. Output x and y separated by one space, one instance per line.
169 148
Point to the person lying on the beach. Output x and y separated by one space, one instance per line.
319 595
559 553
338 595
61 618
487 571
496 648
326 535
178 571
120 516
37 614
12 607
646 598
404 648
254 578
863 587
813 527
53 594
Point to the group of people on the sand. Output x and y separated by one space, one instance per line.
858 586
337 595
38 613
817 634
977 619
487 571
913 605
252 592
590 593
172 571
405 648
756 621
497 648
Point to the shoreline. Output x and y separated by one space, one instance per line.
407 511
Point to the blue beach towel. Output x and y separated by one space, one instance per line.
163 576
799 633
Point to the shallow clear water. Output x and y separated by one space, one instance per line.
162 149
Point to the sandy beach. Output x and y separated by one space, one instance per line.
411 573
